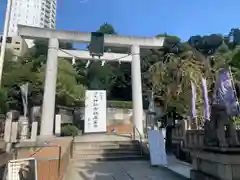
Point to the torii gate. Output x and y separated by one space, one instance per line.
48 107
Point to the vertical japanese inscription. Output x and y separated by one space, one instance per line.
95 109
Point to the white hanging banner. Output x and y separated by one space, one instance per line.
95 111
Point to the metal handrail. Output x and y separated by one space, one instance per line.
40 148
140 136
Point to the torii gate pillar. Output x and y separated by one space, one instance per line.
137 89
49 96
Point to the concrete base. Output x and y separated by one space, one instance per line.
216 165
197 175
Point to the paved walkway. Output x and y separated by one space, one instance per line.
178 166
123 170
120 170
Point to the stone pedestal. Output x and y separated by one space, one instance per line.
34 131
216 164
58 124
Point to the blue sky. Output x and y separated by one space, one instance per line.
147 17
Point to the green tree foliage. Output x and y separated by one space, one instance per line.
174 69
107 29
68 92
40 48
3 101
30 69
171 80
112 77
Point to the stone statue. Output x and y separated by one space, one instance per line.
23 120
24 93
151 112
214 130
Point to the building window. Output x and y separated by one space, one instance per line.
9 39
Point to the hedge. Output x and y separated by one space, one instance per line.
120 104
112 104
115 104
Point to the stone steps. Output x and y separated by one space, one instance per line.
105 147
107 151
108 158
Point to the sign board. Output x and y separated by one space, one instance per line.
22 169
157 148
95 111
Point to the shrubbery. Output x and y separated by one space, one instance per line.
3 101
69 130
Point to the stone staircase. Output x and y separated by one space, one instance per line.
107 151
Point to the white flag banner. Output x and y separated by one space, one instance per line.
206 110
95 111
194 99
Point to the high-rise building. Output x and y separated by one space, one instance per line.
37 13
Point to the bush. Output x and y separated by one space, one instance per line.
111 104
120 104
69 130
3 101
116 104
124 104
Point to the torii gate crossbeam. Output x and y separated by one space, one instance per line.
48 107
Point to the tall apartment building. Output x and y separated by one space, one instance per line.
37 13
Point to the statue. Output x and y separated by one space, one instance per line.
23 128
24 93
214 130
151 112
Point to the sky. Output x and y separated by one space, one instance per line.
147 17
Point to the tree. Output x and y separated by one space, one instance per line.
27 70
111 76
207 44
171 74
107 29
19 72
234 37
68 91
3 101
40 48
171 80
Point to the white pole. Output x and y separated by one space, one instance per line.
4 38
137 89
48 107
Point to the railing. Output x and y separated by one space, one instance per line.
140 138
40 148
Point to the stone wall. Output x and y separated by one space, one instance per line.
49 165
118 120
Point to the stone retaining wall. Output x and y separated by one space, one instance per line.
48 165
